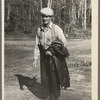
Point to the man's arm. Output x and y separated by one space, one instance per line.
36 52
61 35
36 49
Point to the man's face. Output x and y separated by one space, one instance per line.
46 19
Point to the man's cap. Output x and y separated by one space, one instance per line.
47 11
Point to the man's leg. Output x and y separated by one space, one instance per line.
54 86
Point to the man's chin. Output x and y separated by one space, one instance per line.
45 24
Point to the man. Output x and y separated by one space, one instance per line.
49 62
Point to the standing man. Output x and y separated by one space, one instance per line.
51 64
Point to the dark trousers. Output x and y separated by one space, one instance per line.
52 87
49 78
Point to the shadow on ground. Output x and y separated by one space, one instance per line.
34 87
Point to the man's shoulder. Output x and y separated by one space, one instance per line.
57 27
38 29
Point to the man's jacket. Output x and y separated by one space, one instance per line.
57 48
58 60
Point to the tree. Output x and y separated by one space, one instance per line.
70 15
49 3
85 14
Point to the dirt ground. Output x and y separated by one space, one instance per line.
19 60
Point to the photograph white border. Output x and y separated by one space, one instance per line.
94 49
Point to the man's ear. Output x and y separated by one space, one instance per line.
52 18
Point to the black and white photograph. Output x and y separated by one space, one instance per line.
48 50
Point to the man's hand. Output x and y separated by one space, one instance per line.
35 63
48 53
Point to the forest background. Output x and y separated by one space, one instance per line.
22 17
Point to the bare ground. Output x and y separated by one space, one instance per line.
19 60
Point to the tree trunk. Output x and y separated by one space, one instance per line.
8 13
85 16
73 17
49 3
41 4
29 17
82 14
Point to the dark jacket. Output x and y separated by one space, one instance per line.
58 59
57 48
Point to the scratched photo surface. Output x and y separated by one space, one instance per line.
21 21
